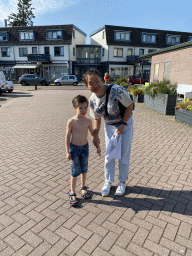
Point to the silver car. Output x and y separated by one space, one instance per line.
67 79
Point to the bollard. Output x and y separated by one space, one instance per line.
35 86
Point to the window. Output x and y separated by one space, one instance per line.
5 52
103 34
26 35
172 39
54 35
167 70
34 50
148 38
74 34
130 52
118 52
46 50
190 38
156 71
73 51
141 51
22 52
122 36
3 36
59 50
103 51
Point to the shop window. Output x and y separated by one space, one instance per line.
23 52
5 52
59 50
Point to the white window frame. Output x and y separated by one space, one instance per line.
7 49
173 39
27 35
148 38
117 52
121 36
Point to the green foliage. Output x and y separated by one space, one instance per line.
24 16
121 81
135 90
185 104
161 87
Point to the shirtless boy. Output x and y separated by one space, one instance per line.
77 147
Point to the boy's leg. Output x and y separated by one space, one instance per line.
73 186
83 182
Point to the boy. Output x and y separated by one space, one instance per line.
77 147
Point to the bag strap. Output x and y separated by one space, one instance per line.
107 97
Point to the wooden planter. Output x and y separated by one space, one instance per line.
138 98
164 103
184 116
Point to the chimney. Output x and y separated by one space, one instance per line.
5 21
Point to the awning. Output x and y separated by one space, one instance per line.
24 66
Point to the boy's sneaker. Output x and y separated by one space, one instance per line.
120 189
106 189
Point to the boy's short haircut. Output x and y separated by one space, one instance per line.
79 99
91 71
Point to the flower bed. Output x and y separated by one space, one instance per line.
183 112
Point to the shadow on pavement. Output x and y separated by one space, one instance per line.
142 199
7 96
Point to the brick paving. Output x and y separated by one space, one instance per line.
154 217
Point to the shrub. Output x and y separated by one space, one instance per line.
135 90
185 104
161 87
120 81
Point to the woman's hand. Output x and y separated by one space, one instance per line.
96 140
120 129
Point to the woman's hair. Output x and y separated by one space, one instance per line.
91 71
79 99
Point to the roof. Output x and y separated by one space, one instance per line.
40 35
167 49
136 36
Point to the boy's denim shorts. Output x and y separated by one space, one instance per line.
79 156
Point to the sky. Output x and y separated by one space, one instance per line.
89 15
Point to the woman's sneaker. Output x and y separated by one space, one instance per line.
120 189
106 189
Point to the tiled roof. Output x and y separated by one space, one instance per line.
167 49
40 35
136 36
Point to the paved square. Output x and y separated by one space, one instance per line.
154 217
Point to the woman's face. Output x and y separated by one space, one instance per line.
95 84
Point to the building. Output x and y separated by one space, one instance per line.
121 48
173 63
48 51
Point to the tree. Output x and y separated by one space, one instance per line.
24 16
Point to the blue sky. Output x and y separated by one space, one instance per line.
89 15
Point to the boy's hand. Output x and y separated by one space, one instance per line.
99 151
69 156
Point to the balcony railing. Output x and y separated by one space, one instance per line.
38 57
136 59
89 60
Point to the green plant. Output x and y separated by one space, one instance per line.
161 87
185 104
135 90
120 81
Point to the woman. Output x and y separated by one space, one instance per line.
113 122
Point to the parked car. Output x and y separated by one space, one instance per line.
9 86
67 79
33 79
136 80
2 83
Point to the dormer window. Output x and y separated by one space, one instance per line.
172 39
190 38
54 35
122 36
3 36
148 38
26 35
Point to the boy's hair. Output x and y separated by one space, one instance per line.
91 71
79 99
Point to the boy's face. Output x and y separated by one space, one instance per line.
81 110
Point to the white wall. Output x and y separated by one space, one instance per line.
97 39
79 39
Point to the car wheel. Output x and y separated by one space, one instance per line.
43 83
58 84
74 84
23 83
10 90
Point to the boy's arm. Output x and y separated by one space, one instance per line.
68 138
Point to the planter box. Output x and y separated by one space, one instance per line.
138 98
164 103
184 116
